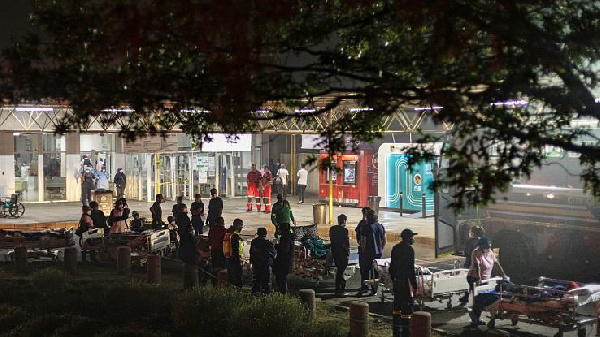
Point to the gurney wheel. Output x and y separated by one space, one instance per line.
514 321
491 324
559 334
449 304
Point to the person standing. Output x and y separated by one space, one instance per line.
282 176
85 224
253 180
475 233
215 207
233 250
119 217
284 262
340 249
98 217
197 210
262 255
182 220
216 234
120 181
372 242
282 216
302 182
187 245
102 178
404 280
177 207
362 263
156 211
87 186
267 183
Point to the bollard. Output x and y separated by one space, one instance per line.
153 269
401 199
307 297
124 260
420 325
359 319
71 260
497 333
423 207
190 276
20 260
222 278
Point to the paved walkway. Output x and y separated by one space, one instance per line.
68 213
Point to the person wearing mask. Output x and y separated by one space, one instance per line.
137 224
267 184
340 249
102 178
282 176
362 263
215 207
197 210
177 207
187 246
173 231
483 261
282 215
253 179
120 181
119 216
302 182
233 251
182 220
216 234
284 262
87 185
156 211
475 233
404 280
262 254
372 242
85 224
98 217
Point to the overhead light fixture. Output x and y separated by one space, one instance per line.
429 108
361 109
118 110
511 102
16 133
33 109
306 110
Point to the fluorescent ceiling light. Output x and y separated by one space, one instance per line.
511 102
118 110
360 109
430 108
32 109
306 110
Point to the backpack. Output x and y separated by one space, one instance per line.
227 247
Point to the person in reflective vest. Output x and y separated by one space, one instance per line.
233 251
282 215
402 272
267 183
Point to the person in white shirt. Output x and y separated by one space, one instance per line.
282 174
302 182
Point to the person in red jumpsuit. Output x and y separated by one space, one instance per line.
267 182
253 179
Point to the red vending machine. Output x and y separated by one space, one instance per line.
354 180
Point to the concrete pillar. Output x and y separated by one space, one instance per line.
73 159
307 296
359 319
71 260
7 163
153 271
190 276
21 260
222 278
420 325
124 260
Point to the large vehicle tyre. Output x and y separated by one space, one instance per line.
515 254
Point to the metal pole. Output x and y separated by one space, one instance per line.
436 214
330 125
401 199
423 207
157 156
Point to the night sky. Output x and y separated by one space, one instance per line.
13 19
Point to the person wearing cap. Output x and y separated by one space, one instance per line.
475 233
483 261
215 208
340 249
262 255
404 279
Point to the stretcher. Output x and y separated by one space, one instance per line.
433 284
548 304
307 266
147 242
39 244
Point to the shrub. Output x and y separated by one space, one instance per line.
50 280
207 311
329 329
78 326
41 326
11 317
130 331
264 315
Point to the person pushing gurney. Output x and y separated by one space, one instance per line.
402 273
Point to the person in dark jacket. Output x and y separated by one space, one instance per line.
215 208
340 249
98 217
183 220
88 184
372 243
120 181
216 234
177 207
187 246
475 233
156 211
137 224
404 279
234 262
284 262
197 210
262 254
361 262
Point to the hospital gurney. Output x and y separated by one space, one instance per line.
142 244
433 284
39 244
549 304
